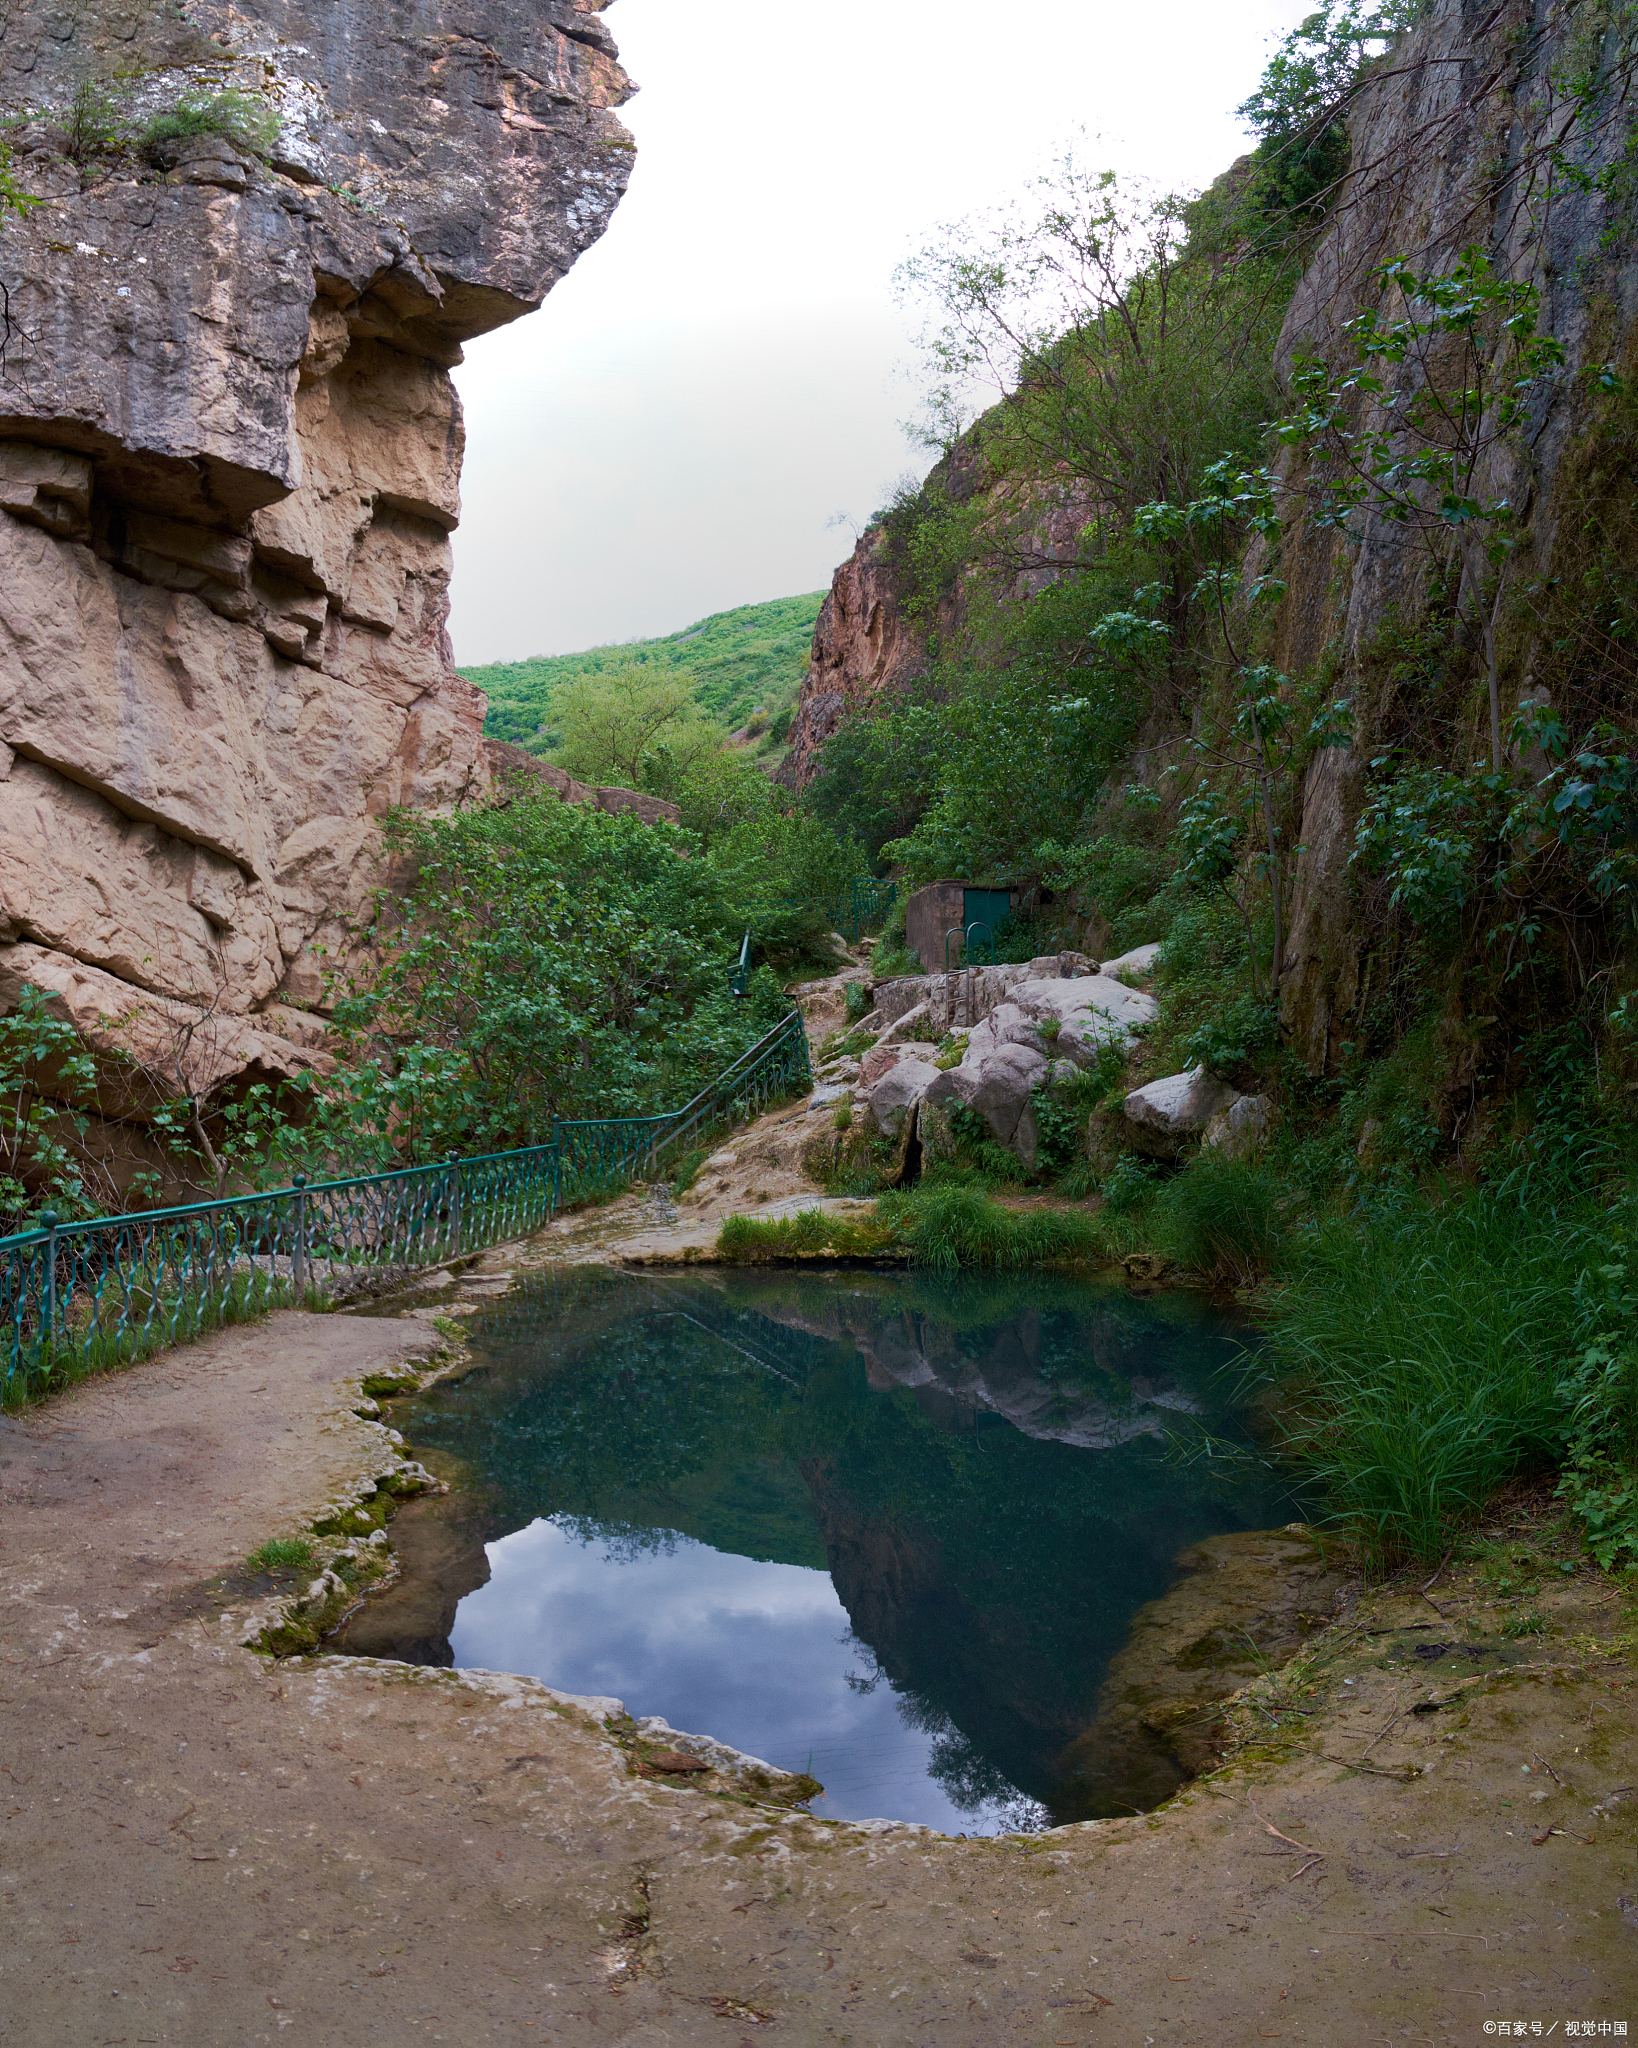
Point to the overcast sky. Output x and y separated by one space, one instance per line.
678 427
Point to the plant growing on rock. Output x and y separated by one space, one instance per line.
1256 733
1297 111
93 129
1413 431
242 118
43 1159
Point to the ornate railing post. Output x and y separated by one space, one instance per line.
298 1242
454 1205
49 1220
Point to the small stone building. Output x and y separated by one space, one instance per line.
945 907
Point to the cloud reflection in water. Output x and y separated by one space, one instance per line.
757 1655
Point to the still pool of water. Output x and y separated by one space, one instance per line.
880 1526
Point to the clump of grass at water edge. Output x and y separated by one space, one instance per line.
1425 1357
938 1226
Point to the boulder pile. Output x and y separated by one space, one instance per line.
1031 1026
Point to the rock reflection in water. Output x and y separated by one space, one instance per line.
899 1521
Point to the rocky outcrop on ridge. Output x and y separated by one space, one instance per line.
862 644
866 641
230 459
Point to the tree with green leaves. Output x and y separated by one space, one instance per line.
1299 109
611 726
549 960
1110 346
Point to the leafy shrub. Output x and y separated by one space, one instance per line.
1128 1182
548 961
1117 879
892 958
242 118
1061 1126
977 1158
1205 982
1015 938
1235 1041
857 1001
92 131
1063 1107
40 1163
783 871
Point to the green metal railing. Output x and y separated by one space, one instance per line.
111 1289
864 903
973 948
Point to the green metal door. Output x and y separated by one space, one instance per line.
985 906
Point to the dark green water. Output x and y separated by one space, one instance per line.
888 1527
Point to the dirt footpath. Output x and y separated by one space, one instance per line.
199 1846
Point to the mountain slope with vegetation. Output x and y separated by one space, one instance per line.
735 664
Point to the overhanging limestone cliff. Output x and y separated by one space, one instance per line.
230 457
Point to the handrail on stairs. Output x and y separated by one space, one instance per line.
965 934
83 1296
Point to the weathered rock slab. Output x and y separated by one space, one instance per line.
230 458
1167 1114
894 1095
1240 1130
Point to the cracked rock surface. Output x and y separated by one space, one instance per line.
230 458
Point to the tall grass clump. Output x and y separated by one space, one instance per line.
1427 1354
940 1226
811 1233
1221 1217
947 1227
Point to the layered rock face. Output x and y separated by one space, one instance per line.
862 644
866 641
230 458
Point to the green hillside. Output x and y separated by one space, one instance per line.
752 657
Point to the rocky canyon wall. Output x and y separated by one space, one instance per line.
875 632
1507 128
230 455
